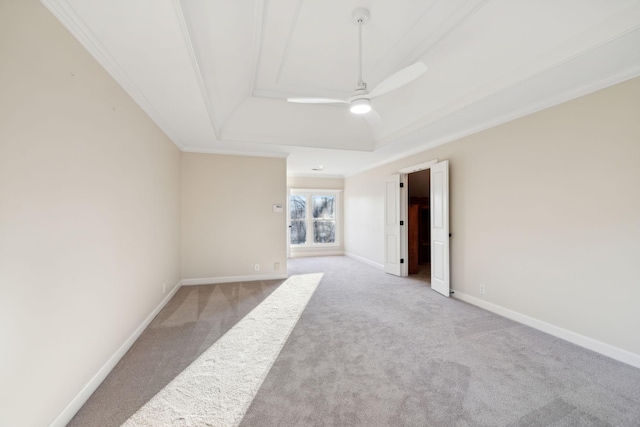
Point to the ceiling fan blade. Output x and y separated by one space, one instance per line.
316 101
373 117
399 79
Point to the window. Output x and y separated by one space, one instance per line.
324 219
298 217
313 218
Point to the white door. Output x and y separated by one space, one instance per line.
440 281
392 226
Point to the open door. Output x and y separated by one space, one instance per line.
392 256
440 281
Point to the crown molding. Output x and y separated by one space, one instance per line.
516 114
312 175
507 82
235 153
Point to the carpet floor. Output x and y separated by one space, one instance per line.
372 349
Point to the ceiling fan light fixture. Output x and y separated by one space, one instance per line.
360 102
360 106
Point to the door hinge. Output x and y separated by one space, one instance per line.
401 260
401 222
402 185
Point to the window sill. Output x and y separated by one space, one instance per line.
316 251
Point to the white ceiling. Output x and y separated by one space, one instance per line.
214 74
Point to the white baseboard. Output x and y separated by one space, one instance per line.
365 260
573 337
74 406
230 279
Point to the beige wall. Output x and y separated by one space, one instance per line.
320 183
545 212
228 224
89 216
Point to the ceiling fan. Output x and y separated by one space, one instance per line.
360 102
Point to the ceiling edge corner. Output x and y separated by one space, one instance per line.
280 155
186 35
67 16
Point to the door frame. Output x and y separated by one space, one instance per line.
404 211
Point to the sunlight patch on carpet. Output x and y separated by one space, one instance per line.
218 387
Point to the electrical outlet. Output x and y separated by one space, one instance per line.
276 266
482 289
164 288
257 267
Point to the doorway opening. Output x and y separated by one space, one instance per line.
419 225
396 237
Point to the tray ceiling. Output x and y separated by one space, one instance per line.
215 74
